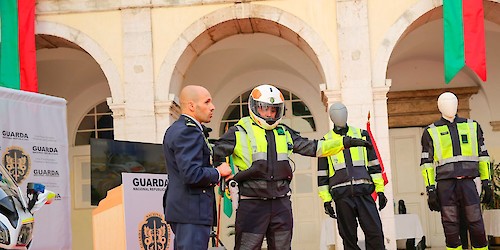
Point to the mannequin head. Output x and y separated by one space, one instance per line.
447 105
338 114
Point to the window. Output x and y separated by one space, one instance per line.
297 114
97 123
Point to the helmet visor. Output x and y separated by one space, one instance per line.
267 111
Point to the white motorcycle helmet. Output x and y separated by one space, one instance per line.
265 97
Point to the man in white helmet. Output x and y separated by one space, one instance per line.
260 146
349 178
453 154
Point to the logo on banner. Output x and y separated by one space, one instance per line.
154 233
14 135
45 150
17 162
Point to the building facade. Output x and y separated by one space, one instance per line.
129 59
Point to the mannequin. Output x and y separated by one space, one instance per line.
453 154
448 105
349 181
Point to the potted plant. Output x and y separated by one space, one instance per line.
495 182
495 202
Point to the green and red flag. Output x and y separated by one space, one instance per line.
17 45
464 42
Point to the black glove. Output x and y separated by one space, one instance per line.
433 200
487 192
355 142
329 209
382 200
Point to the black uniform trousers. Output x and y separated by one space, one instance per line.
257 217
362 207
455 195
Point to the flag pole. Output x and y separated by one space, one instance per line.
384 175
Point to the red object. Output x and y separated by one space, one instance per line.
474 41
27 50
384 175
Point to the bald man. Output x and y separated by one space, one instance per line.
189 198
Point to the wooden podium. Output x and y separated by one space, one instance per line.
108 221
131 216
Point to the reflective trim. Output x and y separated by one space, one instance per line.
473 140
244 146
259 156
457 159
427 165
281 157
322 173
319 149
435 138
354 182
378 175
484 158
425 155
339 166
359 163
323 188
357 134
248 124
373 163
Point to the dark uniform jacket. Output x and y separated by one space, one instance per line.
190 194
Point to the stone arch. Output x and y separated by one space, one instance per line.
241 18
92 48
406 23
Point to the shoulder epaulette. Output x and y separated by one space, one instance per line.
189 122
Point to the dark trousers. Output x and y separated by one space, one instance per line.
455 195
258 218
362 207
190 236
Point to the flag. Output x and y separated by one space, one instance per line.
464 42
374 144
17 45
228 204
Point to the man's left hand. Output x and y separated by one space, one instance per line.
382 200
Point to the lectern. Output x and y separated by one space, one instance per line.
131 216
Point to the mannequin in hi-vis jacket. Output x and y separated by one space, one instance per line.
453 154
349 178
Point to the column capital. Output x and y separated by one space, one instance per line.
118 108
330 96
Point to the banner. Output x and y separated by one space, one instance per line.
145 226
34 148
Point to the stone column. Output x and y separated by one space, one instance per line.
138 75
355 71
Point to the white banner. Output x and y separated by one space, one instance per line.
34 148
145 226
